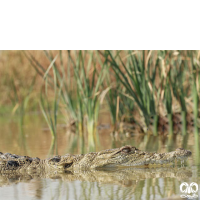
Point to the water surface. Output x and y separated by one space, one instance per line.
34 139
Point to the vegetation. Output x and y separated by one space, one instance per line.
139 87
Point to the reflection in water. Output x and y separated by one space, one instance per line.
113 176
109 183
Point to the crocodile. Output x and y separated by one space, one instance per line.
126 156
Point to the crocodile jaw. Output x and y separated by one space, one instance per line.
141 158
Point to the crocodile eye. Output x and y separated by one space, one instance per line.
126 149
29 160
55 159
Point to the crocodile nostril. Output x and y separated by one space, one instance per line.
67 165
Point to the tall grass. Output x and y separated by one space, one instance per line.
137 82
79 90
121 108
45 106
195 95
155 80
146 82
50 112
88 93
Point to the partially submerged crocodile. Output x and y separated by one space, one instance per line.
125 156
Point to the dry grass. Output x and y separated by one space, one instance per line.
16 69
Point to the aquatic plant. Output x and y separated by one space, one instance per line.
78 83
149 83
156 81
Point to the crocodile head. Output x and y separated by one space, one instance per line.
124 156
182 154
130 156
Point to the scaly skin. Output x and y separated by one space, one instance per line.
126 156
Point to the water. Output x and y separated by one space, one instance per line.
34 139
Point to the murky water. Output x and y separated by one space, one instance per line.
34 139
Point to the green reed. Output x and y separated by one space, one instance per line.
55 83
50 112
176 90
184 80
89 81
80 93
195 96
171 70
107 86
78 81
111 93
146 81
138 83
